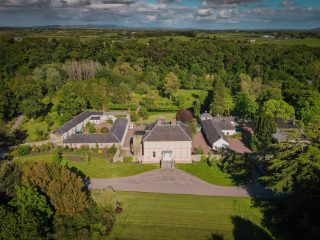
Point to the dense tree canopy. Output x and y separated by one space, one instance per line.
63 187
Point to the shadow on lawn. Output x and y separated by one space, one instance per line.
244 229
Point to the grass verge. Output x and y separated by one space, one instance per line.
209 174
98 167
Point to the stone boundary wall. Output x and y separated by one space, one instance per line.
197 157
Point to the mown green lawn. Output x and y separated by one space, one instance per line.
155 115
167 216
209 174
98 167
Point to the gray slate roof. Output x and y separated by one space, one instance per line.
91 138
118 128
115 135
211 131
224 123
167 132
75 121
80 118
285 124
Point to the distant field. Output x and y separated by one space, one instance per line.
310 42
180 217
243 36
99 167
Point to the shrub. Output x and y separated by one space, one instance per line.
90 128
83 150
112 151
143 113
193 127
134 116
22 150
199 150
203 159
109 121
47 147
105 199
177 100
128 159
58 155
104 130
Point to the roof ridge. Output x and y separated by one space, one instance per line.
148 134
114 134
184 131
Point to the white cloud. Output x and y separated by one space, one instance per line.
151 18
204 11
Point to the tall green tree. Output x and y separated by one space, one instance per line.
264 127
245 105
63 187
171 85
308 106
7 104
10 174
294 172
218 106
69 103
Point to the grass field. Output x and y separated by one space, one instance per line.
310 42
99 167
245 36
209 174
154 116
166 216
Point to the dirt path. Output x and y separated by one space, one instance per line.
176 182
17 122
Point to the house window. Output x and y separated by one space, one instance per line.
154 154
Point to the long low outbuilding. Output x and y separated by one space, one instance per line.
78 123
116 137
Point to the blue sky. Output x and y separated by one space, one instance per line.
204 14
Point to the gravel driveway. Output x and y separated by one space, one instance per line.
175 182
